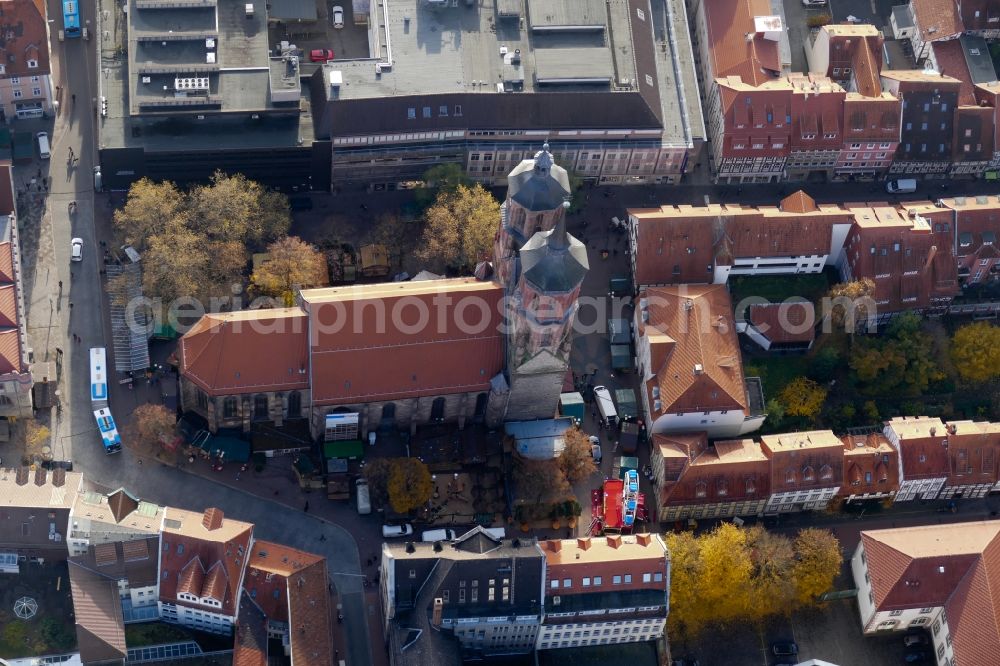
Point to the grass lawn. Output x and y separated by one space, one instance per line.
776 371
777 288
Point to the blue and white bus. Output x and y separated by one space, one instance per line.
99 400
109 432
71 18
98 377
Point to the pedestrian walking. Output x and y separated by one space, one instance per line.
71 305
322 537
306 508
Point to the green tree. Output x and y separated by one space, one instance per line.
823 366
576 460
148 210
291 263
817 563
459 228
900 361
802 397
410 484
235 208
56 635
775 412
36 434
439 178
975 350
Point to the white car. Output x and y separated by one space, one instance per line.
338 17
76 249
595 448
390 531
813 3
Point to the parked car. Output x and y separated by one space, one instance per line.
595 448
76 249
390 531
431 536
918 638
784 649
321 55
338 16
813 3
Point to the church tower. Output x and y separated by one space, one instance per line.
542 268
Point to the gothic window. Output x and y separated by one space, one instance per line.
260 407
437 409
825 472
722 488
808 474
751 486
790 476
294 405
700 489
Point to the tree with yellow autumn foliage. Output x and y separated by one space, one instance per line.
802 397
410 484
975 350
746 574
817 563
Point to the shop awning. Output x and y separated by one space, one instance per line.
348 448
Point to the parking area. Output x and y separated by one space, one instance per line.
831 633
876 12
797 20
310 26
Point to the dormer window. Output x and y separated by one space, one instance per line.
32 64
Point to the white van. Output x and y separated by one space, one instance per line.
364 500
606 406
901 186
43 145
431 536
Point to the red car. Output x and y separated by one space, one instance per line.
321 55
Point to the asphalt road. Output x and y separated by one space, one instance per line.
55 315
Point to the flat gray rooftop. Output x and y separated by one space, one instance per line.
562 15
461 49
580 64
187 41
133 122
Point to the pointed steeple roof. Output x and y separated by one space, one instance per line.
554 260
539 184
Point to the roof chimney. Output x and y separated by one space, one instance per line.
438 609
40 476
583 544
58 477
643 539
615 540
21 476
933 431
212 520
554 545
